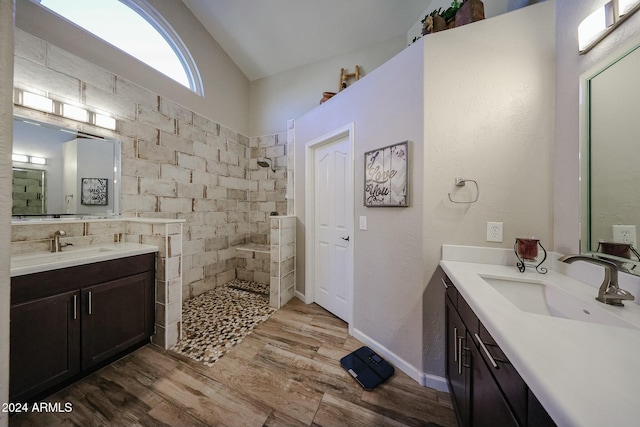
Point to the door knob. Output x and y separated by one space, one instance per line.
345 238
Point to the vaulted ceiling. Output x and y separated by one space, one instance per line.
265 37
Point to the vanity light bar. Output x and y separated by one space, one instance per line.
602 21
37 102
74 113
104 121
626 6
47 105
22 158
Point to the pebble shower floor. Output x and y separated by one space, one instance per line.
215 321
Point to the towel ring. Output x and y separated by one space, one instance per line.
460 182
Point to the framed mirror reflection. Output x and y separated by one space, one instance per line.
50 164
610 160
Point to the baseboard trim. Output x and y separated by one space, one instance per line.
301 297
422 378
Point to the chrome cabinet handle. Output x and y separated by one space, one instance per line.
75 307
90 302
444 283
455 344
486 351
460 355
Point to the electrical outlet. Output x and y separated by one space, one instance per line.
625 234
494 232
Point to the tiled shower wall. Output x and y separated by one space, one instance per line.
176 164
272 186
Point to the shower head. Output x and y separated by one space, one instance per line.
265 162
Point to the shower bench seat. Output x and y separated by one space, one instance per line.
253 262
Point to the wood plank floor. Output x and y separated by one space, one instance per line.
286 373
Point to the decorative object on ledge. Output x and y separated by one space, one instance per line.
326 96
344 76
460 182
386 173
470 11
527 253
458 14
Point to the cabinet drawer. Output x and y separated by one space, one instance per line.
47 283
512 385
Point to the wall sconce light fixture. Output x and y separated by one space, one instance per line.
604 20
52 106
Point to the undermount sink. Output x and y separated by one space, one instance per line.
542 298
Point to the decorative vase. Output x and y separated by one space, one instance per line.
326 96
527 252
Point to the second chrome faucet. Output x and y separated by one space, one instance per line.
609 292
56 245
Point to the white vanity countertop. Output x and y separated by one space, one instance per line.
584 374
93 218
44 261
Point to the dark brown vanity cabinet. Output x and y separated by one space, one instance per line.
486 389
64 322
45 343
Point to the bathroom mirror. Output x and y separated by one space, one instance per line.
61 172
610 160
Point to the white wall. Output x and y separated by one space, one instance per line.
6 136
226 88
386 108
569 66
485 112
293 93
488 117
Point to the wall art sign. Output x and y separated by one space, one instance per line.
94 191
386 175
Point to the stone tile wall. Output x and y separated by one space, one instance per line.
176 164
283 260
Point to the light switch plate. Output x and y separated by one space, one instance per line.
363 223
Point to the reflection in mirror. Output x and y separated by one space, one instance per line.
82 172
29 196
613 156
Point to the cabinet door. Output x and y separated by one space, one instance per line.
538 416
457 371
488 406
115 316
45 344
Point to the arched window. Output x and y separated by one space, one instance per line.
136 28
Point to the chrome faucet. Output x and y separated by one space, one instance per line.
609 292
56 246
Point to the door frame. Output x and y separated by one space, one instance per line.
310 147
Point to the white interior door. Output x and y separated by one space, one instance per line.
333 222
